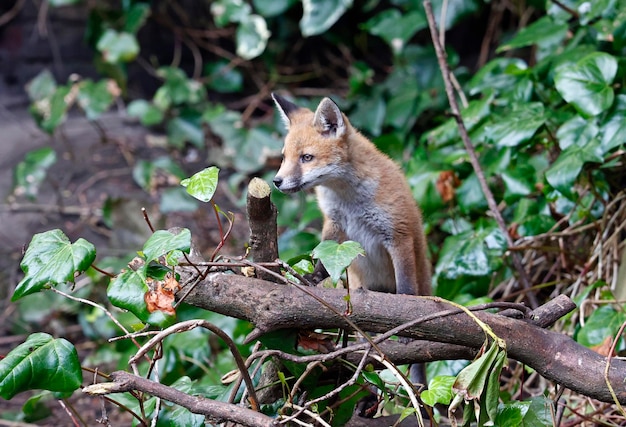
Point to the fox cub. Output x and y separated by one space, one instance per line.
362 193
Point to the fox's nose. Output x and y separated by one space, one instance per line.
278 181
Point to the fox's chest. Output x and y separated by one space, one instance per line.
358 216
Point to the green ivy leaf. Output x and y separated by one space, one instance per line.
30 173
604 322
176 199
127 292
181 130
183 417
224 78
614 129
50 112
586 85
272 8
471 253
147 113
337 257
117 46
512 413
227 11
439 390
518 182
203 184
518 126
145 172
252 36
577 130
42 362
94 98
565 170
52 259
543 32
320 15
136 15
163 241
41 86
395 27
177 89
369 115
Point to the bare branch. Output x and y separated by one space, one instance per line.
192 324
270 307
216 412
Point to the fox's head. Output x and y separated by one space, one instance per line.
315 146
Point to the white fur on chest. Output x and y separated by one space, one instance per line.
363 221
355 211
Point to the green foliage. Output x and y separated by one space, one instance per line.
439 390
52 259
41 362
336 257
479 384
30 173
545 114
203 184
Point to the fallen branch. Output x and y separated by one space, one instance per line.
271 307
216 412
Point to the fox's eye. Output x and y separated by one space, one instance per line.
306 158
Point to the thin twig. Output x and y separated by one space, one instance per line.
192 324
493 206
9 15
147 218
608 366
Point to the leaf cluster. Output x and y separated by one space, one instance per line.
545 115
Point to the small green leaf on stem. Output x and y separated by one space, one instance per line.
203 184
337 257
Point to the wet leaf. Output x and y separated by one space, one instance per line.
31 172
203 184
518 126
42 362
163 241
603 323
94 98
127 291
543 32
320 15
565 170
586 85
52 259
147 113
252 36
337 257
118 46
439 390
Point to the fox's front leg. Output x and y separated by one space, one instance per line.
403 259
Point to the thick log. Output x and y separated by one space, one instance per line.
271 307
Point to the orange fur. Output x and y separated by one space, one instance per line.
362 193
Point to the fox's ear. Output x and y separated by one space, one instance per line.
329 119
285 108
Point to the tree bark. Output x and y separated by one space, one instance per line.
270 307
263 230
215 411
